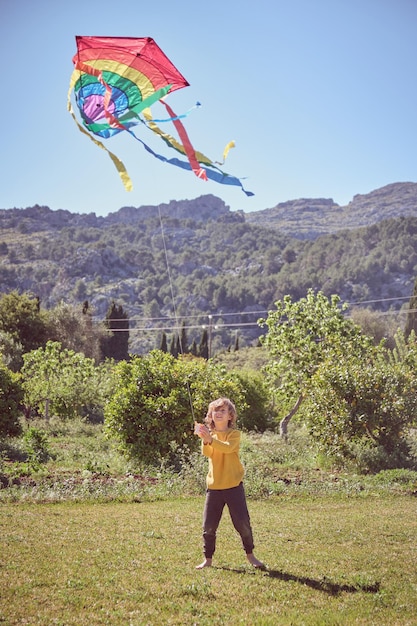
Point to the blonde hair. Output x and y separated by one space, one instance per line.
217 403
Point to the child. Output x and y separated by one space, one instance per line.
220 443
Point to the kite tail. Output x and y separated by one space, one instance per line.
231 144
179 117
212 171
195 159
189 150
116 161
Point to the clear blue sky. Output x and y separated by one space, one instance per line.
319 95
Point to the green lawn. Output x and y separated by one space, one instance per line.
331 560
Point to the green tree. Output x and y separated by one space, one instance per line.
183 340
173 346
194 348
203 348
163 345
178 346
72 327
101 387
11 397
302 335
259 412
58 381
360 398
411 323
376 325
116 344
80 290
22 318
361 408
156 397
11 351
236 348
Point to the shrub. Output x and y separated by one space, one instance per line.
59 381
157 397
370 458
258 414
35 441
11 397
361 410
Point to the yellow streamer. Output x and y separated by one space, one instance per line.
204 160
230 145
116 161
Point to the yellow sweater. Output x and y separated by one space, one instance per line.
225 469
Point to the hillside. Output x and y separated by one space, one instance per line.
202 259
308 218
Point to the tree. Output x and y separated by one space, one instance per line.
194 348
58 381
163 345
156 397
203 348
361 408
173 346
73 328
11 397
360 398
11 351
178 346
258 414
183 344
80 290
236 348
411 323
22 318
302 335
376 325
116 345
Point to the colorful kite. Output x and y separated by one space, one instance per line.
115 82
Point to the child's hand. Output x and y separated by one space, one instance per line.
198 429
203 432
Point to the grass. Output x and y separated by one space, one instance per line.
87 539
330 561
83 466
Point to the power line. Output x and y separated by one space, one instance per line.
200 326
196 315
220 326
169 318
172 322
381 300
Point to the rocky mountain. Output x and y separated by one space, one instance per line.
228 266
39 218
309 218
304 218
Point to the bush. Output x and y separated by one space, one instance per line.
370 458
258 414
156 399
59 381
361 410
35 441
11 397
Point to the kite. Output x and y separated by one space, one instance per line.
115 82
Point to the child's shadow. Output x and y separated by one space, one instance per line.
324 584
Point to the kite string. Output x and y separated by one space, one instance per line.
174 307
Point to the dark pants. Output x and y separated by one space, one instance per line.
213 509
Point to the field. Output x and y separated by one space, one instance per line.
83 547
329 561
